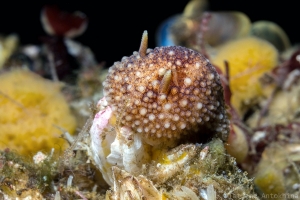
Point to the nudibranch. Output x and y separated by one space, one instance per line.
165 93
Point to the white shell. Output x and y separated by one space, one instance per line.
127 151
100 142
111 146
127 186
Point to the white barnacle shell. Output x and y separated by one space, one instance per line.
127 151
111 146
182 192
100 141
127 186
209 193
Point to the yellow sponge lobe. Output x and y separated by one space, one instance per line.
249 58
33 112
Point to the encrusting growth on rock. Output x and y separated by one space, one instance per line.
166 93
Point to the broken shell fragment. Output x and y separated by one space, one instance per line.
112 146
115 147
127 151
100 143
127 186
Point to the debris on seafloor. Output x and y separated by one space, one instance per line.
183 173
165 124
277 172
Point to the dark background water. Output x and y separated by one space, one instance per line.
115 27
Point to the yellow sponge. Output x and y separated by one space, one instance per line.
249 58
32 109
